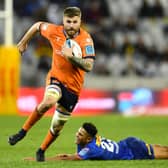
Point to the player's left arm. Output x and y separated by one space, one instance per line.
85 64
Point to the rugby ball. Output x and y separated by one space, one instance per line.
77 52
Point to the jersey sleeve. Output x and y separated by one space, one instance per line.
85 153
88 48
89 152
46 29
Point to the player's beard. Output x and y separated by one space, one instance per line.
71 32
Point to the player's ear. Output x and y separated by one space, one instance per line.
89 138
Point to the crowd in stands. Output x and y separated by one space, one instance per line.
130 36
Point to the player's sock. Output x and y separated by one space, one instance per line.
17 137
50 137
32 119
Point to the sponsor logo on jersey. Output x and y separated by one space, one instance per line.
89 50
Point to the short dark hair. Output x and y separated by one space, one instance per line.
90 128
72 11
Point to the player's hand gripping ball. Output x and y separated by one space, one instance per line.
77 52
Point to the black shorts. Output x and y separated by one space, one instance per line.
68 99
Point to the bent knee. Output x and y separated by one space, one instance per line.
58 121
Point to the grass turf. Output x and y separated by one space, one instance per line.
151 129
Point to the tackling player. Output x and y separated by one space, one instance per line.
65 79
91 146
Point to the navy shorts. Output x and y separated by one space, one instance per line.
139 148
68 99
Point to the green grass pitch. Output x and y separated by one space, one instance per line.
150 129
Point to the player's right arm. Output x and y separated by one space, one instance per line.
22 44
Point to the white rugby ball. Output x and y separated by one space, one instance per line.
77 52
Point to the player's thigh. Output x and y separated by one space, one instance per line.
51 96
68 100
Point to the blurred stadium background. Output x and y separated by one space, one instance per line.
130 73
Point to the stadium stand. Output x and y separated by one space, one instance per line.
130 36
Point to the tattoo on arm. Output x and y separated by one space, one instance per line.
84 64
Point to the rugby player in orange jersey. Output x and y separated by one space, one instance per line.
64 80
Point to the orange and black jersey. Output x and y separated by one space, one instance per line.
69 75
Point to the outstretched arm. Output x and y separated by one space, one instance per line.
64 157
22 45
58 157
